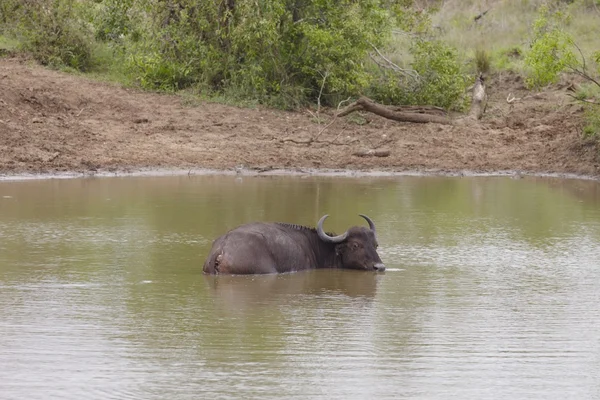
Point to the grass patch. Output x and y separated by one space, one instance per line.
591 128
507 26
8 44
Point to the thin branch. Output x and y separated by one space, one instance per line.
583 100
391 65
582 72
585 75
321 92
478 17
350 109
313 139
332 121
581 54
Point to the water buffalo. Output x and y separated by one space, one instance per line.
266 248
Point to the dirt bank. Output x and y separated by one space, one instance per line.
52 122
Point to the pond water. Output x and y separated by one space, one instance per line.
492 291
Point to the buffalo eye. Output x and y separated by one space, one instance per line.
355 246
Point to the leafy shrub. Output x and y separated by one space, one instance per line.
591 128
551 49
53 33
439 78
282 53
113 21
278 52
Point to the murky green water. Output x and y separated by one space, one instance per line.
492 291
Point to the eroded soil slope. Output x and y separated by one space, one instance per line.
55 122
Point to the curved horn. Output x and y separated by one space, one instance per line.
325 237
371 224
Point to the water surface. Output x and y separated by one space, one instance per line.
491 291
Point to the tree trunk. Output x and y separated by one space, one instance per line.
479 101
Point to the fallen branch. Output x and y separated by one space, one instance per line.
372 153
420 109
298 141
366 104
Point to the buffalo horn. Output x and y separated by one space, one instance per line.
371 224
325 237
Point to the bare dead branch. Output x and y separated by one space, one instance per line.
372 153
313 139
349 109
420 109
364 103
321 91
298 141
478 17
383 142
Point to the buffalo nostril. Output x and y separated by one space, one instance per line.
379 267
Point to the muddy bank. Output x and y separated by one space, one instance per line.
55 123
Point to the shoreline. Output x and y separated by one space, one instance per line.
290 172
55 126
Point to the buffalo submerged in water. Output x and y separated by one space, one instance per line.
266 248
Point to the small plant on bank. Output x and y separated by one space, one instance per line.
591 128
482 61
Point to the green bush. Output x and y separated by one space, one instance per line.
278 52
53 32
591 128
284 53
113 20
440 79
551 50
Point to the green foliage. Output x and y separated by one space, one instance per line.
7 45
279 52
592 121
52 32
113 20
168 54
509 59
551 49
438 78
284 53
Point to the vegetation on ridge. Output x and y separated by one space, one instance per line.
291 53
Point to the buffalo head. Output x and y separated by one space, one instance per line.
356 248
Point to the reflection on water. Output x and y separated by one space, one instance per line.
491 291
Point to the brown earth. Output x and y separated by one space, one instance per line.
52 122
